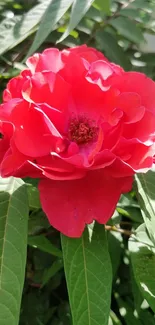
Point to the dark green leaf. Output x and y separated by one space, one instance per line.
50 272
42 243
115 243
138 298
107 43
13 247
127 312
88 274
128 29
146 317
37 222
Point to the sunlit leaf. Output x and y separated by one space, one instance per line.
79 9
21 27
103 5
33 196
52 15
146 197
143 261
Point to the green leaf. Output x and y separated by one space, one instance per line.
114 319
103 5
89 276
127 12
128 29
142 254
79 9
147 317
107 43
42 243
52 15
33 197
50 272
115 242
127 312
37 222
137 295
146 197
21 27
13 247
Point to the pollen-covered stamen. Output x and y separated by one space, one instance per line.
82 131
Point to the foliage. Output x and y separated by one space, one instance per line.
120 29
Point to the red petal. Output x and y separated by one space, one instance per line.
6 129
16 164
14 86
28 135
88 53
144 130
7 108
70 205
138 83
130 104
49 60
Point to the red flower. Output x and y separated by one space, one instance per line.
83 126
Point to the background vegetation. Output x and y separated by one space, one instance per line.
125 32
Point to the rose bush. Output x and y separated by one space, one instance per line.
83 126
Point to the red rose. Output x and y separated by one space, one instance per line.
83 126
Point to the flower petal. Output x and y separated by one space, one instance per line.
30 139
70 205
88 53
130 103
49 60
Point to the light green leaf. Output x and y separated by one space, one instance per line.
79 9
21 27
103 5
107 43
142 254
52 15
13 247
33 197
89 276
146 197
128 29
114 319
42 243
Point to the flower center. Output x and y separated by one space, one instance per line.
81 132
